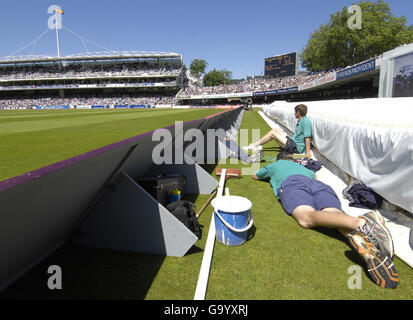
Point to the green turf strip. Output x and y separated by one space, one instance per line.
33 139
280 261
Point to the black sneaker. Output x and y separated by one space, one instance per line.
380 268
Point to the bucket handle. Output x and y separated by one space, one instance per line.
231 227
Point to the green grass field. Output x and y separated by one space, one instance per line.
34 139
279 261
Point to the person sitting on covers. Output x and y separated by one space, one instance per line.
299 143
313 203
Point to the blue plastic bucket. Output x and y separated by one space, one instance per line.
233 219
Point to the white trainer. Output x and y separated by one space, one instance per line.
253 148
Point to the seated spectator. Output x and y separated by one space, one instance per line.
299 143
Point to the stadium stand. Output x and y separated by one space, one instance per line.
358 81
252 85
103 78
78 71
88 100
157 79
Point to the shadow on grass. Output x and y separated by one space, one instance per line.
275 149
194 249
352 255
357 259
251 232
94 274
332 233
89 274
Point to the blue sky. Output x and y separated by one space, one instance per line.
228 34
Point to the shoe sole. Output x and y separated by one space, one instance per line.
379 219
381 269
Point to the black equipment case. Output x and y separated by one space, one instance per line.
161 186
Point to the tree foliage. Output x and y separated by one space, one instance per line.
217 77
335 45
198 66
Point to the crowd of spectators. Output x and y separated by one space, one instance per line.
86 70
260 84
70 71
79 70
92 100
101 84
256 85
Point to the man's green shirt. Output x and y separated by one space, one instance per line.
280 170
302 131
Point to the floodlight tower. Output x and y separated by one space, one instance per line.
57 35
58 25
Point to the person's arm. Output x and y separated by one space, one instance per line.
308 147
261 174
254 176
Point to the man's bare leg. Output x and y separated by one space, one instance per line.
379 266
275 134
307 217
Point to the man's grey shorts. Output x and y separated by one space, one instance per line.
298 190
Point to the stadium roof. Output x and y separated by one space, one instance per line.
104 55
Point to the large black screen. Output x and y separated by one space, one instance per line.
281 66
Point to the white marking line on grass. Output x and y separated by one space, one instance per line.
201 287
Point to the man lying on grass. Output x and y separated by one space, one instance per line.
313 204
